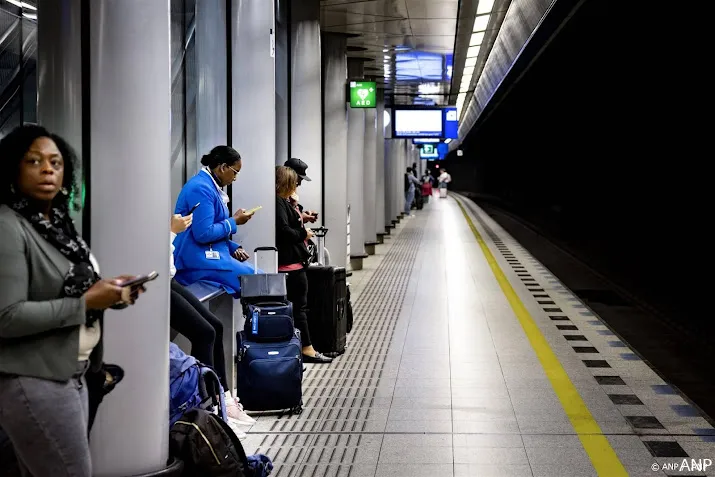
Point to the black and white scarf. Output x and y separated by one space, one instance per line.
60 232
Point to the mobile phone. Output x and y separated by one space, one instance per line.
138 281
194 208
255 209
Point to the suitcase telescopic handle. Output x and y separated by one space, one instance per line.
263 249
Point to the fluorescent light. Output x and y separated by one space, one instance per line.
17 3
30 16
385 50
470 62
485 6
472 52
468 71
447 141
476 39
481 22
387 57
28 6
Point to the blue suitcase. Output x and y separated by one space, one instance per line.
269 322
270 374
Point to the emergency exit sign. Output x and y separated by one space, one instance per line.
363 94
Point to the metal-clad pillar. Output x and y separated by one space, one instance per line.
306 125
369 180
356 144
380 167
59 67
254 118
335 145
130 94
212 64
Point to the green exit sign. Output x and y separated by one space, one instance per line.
363 94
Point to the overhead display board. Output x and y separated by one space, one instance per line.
423 122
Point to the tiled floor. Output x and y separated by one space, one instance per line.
441 379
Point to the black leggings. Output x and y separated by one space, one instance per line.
201 327
297 283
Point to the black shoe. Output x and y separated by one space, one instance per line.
334 354
318 358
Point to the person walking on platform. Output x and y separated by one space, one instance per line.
411 182
52 304
293 256
201 327
206 252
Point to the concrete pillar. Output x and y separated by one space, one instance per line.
335 145
306 126
59 67
254 118
369 179
380 168
130 89
356 144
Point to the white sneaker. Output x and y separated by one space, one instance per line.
239 433
234 410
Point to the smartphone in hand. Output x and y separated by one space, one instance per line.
139 281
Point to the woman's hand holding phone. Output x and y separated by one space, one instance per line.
180 224
242 216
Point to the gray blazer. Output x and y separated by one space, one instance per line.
39 329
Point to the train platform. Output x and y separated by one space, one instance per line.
469 358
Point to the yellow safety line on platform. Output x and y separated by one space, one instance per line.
599 450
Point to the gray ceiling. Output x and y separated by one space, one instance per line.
419 36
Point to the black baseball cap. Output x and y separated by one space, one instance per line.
298 166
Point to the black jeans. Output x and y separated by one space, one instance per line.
297 283
201 327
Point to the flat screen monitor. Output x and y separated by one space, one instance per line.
422 123
416 123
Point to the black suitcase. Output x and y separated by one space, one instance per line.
327 310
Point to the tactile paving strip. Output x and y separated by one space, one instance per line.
345 403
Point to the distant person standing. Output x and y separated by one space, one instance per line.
444 179
410 183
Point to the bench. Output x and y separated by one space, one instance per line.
220 304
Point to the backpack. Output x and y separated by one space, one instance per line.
184 373
207 446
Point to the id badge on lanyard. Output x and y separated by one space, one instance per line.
211 254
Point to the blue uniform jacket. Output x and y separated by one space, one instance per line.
210 231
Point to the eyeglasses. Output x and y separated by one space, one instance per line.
234 170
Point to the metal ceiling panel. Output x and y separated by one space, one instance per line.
433 9
409 43
374 7
520 21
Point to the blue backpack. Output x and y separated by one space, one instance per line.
184 373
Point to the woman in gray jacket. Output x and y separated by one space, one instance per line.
52 301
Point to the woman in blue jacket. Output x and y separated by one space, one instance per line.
206 252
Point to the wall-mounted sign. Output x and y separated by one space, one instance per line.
363 94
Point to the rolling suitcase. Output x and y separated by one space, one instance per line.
270 375
327 300
443 192
269 359
263 287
